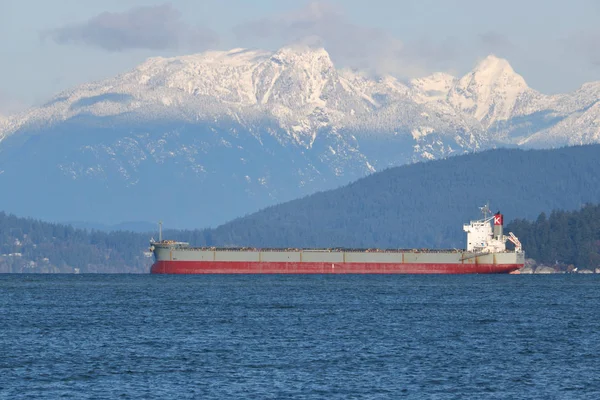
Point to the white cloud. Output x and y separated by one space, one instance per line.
150 27
324 24
585 44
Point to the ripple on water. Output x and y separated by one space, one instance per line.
177 337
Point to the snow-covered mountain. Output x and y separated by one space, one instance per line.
4 122
207 137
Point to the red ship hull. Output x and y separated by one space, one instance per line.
237 267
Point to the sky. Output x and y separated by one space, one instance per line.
50 46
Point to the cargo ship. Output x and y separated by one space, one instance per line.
485 253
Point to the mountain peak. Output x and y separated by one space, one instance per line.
234 57
492 62
490 92
495 71
299 88
294 54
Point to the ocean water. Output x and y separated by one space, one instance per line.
300 337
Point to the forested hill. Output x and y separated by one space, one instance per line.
29 245
420 205
564 240
424 204
564 237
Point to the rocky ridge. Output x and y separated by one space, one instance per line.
271 126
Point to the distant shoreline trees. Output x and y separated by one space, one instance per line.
29 245
568 237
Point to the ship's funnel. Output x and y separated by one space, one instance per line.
498 225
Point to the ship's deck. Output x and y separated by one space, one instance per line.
312 250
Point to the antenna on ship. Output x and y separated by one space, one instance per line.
485 210
159 231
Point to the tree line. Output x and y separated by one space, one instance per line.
563 237
30 245
421 205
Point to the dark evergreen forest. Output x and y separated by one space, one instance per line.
424 204
29 245
564 237
419 205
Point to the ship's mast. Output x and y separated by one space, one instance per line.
159 231
485 210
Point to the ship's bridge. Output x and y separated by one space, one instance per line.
481 238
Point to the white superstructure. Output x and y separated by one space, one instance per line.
482 239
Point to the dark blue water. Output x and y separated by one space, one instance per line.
332 337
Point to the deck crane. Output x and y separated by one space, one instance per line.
515 241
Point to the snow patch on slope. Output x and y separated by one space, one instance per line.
490 92
433 88
299 90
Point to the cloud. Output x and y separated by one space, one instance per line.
156 28
584 44
322 23
434 53
494 42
